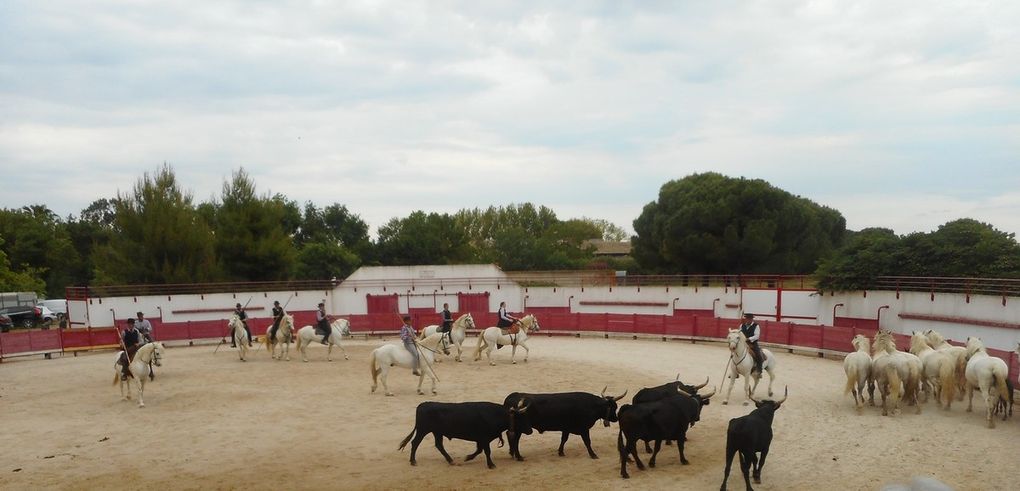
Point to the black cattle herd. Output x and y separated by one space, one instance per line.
657 414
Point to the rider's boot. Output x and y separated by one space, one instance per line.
325 339
249 335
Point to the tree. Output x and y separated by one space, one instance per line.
422 238
710 223
158 236
867 254
608 231
37 243
323 260
251 242
18 281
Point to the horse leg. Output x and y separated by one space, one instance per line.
432 375
990 403
459 349
343 351
733 378
970 398
384 371
329 352
488 352
513 354
772 378
286 350
526 351
747 389
141 390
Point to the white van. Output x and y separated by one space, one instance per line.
57 305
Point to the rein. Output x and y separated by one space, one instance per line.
733 351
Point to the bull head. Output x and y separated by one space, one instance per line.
521 408
616 398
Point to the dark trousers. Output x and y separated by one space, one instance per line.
324 328
756 353
272 331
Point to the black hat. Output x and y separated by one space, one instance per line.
321 304
276 302
749 316
139 314
238 304
407 318
131 320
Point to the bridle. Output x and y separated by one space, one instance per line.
442 341
733 350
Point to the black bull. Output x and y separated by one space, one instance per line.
650 394
665 419
570 413
479 422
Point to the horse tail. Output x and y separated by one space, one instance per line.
851 381
892 375
1000 381
409 435
116 377
297 342
481 343
947 378
375 373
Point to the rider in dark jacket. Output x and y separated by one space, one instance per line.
132 341
322 323
241 314
447 321
277 317
752 331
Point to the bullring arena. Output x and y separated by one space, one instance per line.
212 422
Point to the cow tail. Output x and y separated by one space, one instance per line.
407 438
947 378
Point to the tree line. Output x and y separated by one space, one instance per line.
705 223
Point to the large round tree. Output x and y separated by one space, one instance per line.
711 223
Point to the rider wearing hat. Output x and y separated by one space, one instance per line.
241 314
752 331
447 320
277 317
322 323
407 335
132 341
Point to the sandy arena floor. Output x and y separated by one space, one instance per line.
212 422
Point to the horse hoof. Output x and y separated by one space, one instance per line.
724 403
373 390
770 393
746 403
513 362
491 364
346 358
306 361
141 405
389 394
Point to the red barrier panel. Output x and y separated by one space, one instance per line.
706 327
902 342
805 336
45 340
104 337
208 329
838 338
679 326
72 339
15 342
620 323
1014 369
776 332
650 324
171 331
560 322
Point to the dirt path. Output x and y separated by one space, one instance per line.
212 422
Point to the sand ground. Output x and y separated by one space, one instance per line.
212 422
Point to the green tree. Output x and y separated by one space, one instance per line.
18 281
324 260
865 256
710 223
37 243
157 236
422 238
251 242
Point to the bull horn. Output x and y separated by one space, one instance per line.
696 387
603 394
621 396
521 408
681 391
677 377
786 393
708 396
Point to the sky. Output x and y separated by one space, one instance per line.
899 114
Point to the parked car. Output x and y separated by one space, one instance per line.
46 314
23 315
5 323
57 305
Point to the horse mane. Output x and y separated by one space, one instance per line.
918 341
975 345
884 342
861 343
935 338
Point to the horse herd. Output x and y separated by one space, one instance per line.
932 368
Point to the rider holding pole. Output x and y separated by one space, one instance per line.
322 323
132 341
752 331
407 335
447 321
241 314
277 317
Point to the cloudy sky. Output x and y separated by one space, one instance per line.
899 114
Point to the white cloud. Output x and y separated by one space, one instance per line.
887 111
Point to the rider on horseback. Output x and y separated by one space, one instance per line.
240 313
145 332
447 325
752 331
407 335
322 323
277 317
132 341
505 321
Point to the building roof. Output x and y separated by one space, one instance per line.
610 247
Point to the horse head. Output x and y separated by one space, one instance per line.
345 327
734 339
861 343
530 323
157 354
468 320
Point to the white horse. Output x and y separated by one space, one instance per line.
988 374
283 337
857 366
139 368
457 333
494 337
741 363
384 357
958 355
240 335
338 329
938 375
907 365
